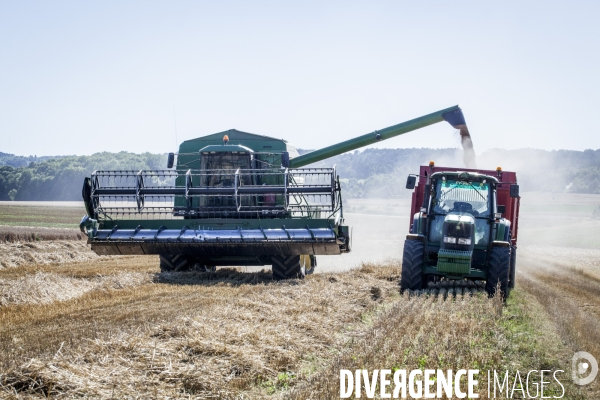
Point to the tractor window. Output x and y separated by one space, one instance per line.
460 196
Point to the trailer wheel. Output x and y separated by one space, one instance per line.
498 271
412 263
173 263
513 267
288 267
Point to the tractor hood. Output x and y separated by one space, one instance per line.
458 231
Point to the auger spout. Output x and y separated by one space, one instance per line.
452 115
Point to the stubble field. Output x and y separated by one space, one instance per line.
73 324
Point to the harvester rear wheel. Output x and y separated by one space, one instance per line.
412 263
288 267
173 263
498 271
513 267
203 268
311 264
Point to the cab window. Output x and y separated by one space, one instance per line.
221 167
461 196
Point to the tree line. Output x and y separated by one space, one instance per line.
382 172
21 161
61 178
372 173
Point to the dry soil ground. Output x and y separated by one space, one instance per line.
73 324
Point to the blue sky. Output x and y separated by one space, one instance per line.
82 77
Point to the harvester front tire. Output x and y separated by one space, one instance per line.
498 271
513 267
174 263
412 264
288 267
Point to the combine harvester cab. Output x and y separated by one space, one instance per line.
464 227
233 199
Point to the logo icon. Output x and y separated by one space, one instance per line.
584 368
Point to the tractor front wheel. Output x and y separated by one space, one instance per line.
288 267
412 264
498 271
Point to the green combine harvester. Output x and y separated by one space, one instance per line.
233 199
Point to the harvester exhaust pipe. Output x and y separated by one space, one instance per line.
457 120
453 115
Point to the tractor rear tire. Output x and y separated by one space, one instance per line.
412 264
288 267
513 267
174 263
498 271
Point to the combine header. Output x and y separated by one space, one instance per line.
234 198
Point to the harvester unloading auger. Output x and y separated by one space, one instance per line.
234 198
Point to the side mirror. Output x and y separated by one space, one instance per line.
285 159
514 190
411 181
170 160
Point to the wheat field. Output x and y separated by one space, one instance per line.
74 324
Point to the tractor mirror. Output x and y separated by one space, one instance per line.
514 190
285 159
170 160
411 182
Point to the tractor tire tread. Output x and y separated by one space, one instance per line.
412 263
498 271
513 267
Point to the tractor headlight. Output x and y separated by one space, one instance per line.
466 241
448 239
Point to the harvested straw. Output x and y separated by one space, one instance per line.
220 335
35 234
45 288
17 254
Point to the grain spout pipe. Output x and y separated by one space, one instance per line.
452 115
